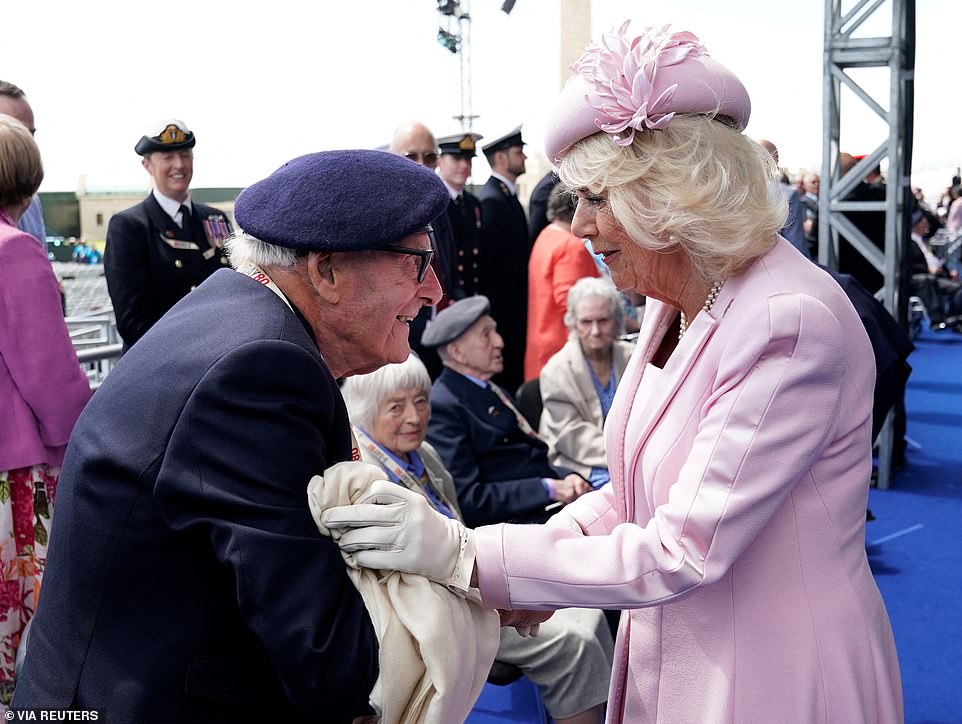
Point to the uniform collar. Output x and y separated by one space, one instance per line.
451 190
170 206
510 184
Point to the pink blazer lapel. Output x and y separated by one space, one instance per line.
656 321
625 444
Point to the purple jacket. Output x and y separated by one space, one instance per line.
42 388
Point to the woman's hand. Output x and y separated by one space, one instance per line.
565 521
571 487
525 622
394 529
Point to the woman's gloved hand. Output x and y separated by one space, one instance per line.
394 529
563 520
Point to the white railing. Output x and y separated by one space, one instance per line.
97 343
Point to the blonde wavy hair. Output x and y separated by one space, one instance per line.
698 183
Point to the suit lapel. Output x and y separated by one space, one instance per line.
516 208
197 219
481 402
164 224
580 375
644 414
173 236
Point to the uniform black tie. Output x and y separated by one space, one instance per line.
186 224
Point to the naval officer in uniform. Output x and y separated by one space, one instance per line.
505 248
464 211
160 249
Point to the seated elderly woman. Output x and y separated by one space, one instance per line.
570 659
578 383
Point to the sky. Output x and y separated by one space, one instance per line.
262 82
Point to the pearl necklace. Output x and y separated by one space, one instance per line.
706 307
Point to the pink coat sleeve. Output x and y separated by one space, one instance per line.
771 406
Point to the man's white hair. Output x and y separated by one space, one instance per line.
244 249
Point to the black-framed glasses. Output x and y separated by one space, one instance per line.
426 256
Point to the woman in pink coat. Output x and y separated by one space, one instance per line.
42 391
738 442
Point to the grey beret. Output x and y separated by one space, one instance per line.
453 321
342 201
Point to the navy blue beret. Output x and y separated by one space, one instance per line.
342 201
455 320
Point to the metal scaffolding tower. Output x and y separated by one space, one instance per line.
843 52
456 37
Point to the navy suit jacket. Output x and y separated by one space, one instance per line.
538 205
186 579
497 468
146 273
503 274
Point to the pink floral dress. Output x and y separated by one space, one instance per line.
26 506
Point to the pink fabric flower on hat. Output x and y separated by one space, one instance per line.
622 73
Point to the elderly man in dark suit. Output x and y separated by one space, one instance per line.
505 248
165 246
499 464
186 579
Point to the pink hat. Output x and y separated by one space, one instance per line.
626 84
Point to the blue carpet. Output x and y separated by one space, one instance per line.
516 703
915 545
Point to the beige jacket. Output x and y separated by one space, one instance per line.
571 421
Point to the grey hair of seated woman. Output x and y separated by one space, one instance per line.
595 287
364 394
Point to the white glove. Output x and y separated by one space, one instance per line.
395 529
563 520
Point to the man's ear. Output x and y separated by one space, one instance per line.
145 161
322 275
453 350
